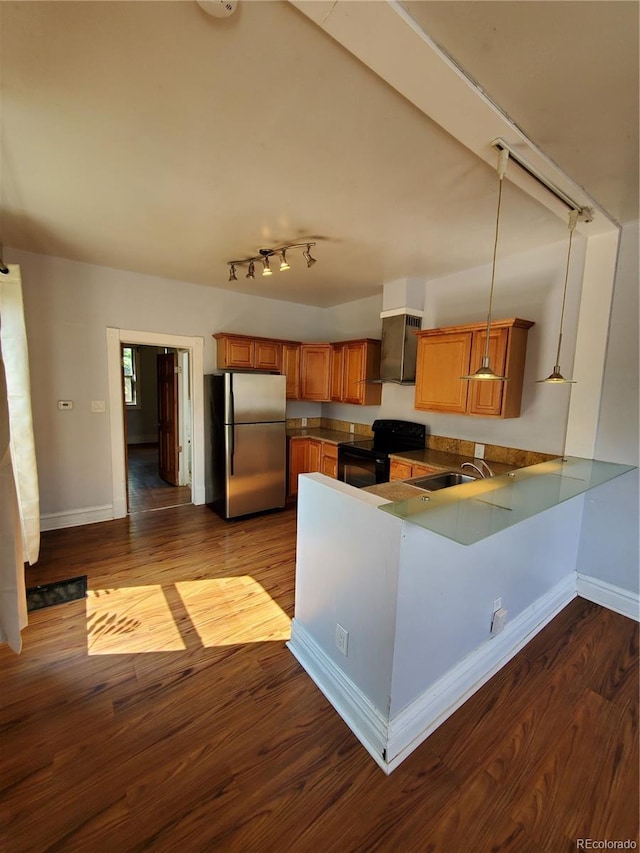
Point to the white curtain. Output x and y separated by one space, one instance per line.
19 496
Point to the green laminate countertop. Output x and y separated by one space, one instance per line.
474 511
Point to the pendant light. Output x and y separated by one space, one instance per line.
556 378
485 372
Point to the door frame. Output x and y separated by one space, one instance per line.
195 347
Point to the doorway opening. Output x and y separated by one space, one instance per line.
190 354
157 426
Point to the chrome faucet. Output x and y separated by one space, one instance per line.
479 470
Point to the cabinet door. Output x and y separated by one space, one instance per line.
441 361
291 369
337 372
485 398
236 352
354 373
329 462
298 461
268 355
400 470
315 364
315 456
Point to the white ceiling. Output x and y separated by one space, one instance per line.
152 137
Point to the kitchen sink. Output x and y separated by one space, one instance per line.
441 480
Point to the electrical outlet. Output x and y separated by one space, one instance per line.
479 451
352 427
498 621
497 604
304 421
342 639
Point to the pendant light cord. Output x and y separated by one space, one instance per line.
502 168
573 218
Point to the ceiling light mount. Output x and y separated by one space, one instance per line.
264 257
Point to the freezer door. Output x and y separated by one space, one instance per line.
256 468
255 397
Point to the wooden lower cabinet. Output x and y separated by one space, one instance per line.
447 354
329 459
400 470
310 455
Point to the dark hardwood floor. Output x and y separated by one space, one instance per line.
165 713
146 490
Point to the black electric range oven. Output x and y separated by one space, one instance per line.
366 463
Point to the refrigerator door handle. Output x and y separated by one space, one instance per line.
232 423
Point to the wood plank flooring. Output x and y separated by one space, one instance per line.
165 713
146 490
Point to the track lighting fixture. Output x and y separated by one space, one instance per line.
556 378
265 255
485 372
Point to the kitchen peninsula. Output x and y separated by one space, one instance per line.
393 619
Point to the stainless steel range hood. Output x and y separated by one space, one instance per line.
399 346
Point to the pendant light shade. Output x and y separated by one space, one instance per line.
556 377
485 372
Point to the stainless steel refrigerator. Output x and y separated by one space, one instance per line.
245 442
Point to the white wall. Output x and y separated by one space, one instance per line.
527 286
68 306
609 539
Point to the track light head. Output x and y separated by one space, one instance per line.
232 272
251 272
266 268
284 264
307 256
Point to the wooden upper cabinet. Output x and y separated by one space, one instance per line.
241 352
440 362
444 355
291 369
268 355
235 351
315 372
353 364
337 372
319 372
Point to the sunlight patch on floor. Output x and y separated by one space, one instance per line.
230 611
130 620
222 611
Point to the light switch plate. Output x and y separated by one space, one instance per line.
98 406
65 404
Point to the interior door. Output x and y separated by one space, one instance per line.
168 417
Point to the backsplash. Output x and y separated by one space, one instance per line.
492 452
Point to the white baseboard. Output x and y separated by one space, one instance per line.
417 721
608 595
389 742
362 717
76 517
